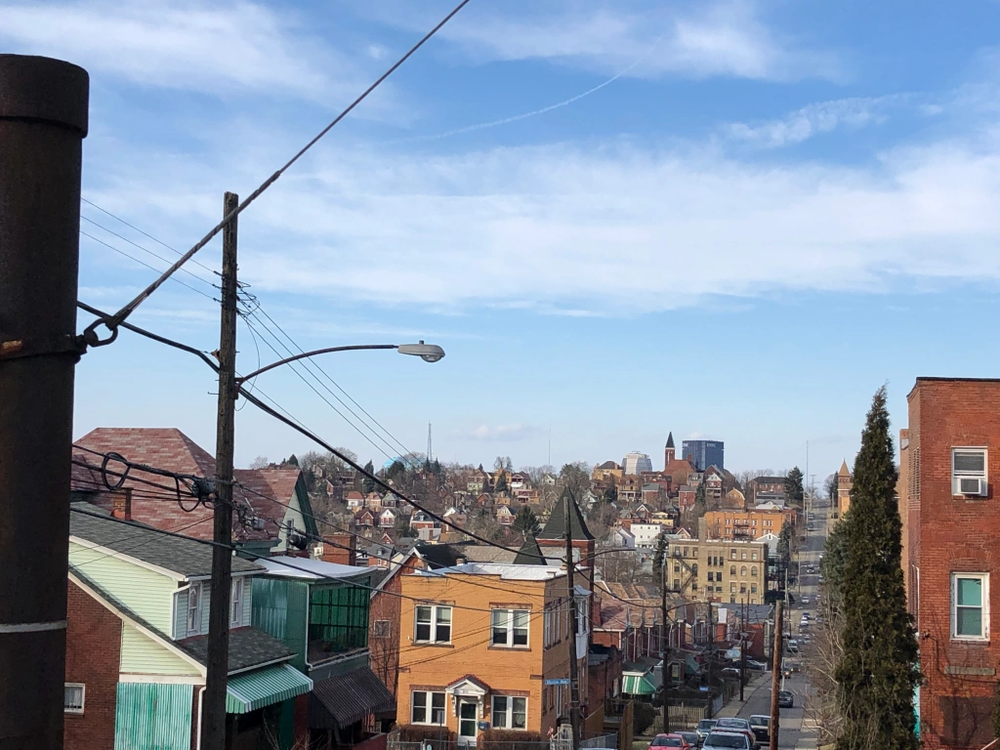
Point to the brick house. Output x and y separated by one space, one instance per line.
485 645
950 457
136 643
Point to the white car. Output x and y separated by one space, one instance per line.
718 740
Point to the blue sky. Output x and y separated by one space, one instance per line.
756 214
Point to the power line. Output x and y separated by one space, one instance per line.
147 235
112 322
143 263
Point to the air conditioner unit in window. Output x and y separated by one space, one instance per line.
971 486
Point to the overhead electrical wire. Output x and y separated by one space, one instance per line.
112 322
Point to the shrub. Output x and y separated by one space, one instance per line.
509 739
422 733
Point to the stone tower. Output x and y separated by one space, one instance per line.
844 486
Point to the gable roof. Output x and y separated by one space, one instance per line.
436 555
529 553
555 527
187 557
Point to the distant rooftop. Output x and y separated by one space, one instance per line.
506 571
308 569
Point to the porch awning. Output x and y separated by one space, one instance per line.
252 690
340 701
634 684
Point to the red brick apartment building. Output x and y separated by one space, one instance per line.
950 463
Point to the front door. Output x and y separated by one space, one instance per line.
468 715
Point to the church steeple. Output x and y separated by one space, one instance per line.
668 452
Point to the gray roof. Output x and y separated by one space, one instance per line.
555 527
185 556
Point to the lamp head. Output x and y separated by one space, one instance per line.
426 352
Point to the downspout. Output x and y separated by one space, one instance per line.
201 700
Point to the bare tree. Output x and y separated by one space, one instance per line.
260 462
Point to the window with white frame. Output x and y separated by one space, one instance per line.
194 608
73 697
427 707
433 624
510 712
970 612
236 603
969 470
509 627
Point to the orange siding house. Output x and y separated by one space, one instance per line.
487 645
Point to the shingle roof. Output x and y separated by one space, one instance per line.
268 491
555 527
437 555
248 647
529 553
188 557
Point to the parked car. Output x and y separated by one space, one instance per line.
704 727
805 600
758 665
737 724
674 739
761 726
727 741
793 646
693 739
785 699
731 672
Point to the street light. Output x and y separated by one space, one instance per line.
427 352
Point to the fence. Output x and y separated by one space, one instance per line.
607 740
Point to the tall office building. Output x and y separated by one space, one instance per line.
704 453
636 463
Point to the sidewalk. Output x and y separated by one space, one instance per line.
761 681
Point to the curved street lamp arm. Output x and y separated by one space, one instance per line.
304 355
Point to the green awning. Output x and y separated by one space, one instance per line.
634 684
252 690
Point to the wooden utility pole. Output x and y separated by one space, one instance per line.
574 677
43 121
213 729
776 671
665 649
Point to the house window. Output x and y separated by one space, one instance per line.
677 568
694 585
73 698
685 552
338 620
711 576
732 554
236 603
694 569
732 570
427 708
743 570
970 614
194 608
753 588
753 555
383 628
743 555
753 570
694 552
433 624
732 587
510 712
743 588
968 470
509 627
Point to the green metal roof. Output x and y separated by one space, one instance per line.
252 690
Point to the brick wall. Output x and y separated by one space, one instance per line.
93 654
949 534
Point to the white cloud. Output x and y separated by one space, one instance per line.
220 48
588 229
503 433
718 38
815 119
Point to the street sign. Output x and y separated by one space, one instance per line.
560 681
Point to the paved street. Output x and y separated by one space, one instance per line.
797 729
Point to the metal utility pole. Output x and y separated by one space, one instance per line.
574 677
743 647
665 651
711 656
776 672
43 121
213 728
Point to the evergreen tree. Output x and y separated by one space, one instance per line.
368 484
785 543
660 555
396 471
501 483
878 672
527 522
611 493
292 460
700 499
793 486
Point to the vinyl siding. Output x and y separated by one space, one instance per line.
145 592
153 716
142 655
